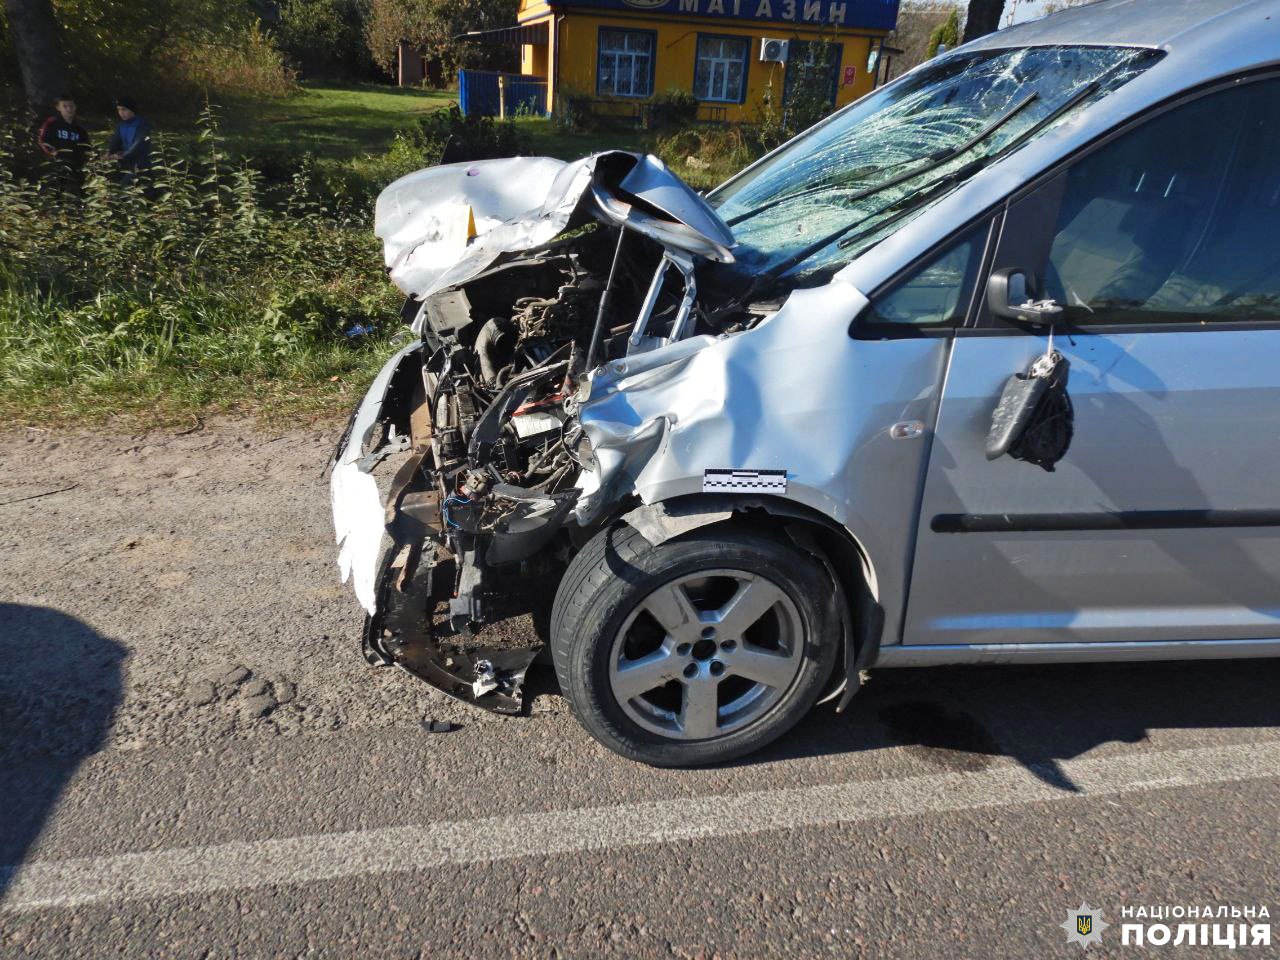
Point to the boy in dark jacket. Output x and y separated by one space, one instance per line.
130 144
61 138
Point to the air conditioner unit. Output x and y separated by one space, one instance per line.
773 50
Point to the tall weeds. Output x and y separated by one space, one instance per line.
196 287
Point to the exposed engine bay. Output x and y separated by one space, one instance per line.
528 281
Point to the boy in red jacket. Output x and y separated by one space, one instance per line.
63 139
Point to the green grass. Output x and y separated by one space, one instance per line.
549 140
348 132
330 121
161 358
333 122
240 344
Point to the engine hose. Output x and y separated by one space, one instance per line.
487 347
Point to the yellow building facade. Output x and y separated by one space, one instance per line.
734 56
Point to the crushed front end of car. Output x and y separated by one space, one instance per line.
684 418
528 281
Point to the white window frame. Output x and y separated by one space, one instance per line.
721 60
625 53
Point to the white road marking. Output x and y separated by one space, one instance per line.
296 860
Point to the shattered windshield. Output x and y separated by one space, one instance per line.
851 181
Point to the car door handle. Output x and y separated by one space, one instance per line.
907 430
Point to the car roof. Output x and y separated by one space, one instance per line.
1161 24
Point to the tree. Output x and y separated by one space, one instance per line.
946 34
163 52
431 26
984 18
34 33
917 22
326 38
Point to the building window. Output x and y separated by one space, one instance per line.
813 71
625 66
721 72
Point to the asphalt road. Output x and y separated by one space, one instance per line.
195 762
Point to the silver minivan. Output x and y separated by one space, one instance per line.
984 368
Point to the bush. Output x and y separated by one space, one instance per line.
250 69
167 53
707 156
917 23
573 114
446 136
805 101
365 177
673 110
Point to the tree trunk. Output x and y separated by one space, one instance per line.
984 17
35 40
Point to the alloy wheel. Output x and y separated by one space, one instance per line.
706 654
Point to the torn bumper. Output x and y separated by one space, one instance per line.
401 587
358 514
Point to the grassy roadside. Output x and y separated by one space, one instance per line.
310 393
206 291
246 280
165 357
223 288
329 121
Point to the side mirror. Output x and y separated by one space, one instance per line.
1009 296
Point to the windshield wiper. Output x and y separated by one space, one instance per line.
922 196
935 160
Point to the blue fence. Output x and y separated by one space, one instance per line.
489 93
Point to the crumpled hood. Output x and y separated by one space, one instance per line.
443 226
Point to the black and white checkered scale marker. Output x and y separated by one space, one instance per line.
743 481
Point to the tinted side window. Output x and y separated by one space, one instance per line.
938 293
1179 219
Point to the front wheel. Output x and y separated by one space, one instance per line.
696 651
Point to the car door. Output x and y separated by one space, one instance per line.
1162 521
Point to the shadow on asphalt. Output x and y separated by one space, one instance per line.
965 718
60 683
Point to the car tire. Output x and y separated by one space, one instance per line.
726 682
